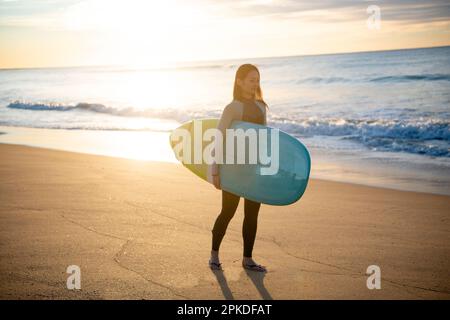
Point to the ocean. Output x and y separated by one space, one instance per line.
375 118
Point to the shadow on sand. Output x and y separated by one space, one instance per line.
256 277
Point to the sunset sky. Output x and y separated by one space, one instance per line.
44 33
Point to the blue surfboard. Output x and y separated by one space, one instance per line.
283 186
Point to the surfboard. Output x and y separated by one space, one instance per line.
283 185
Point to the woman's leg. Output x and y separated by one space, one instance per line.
230 203
249 227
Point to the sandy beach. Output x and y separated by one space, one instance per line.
142 230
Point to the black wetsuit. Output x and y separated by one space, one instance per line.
251 113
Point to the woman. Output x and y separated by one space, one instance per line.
247 105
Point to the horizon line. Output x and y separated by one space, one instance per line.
228 59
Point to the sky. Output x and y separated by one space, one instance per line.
53 33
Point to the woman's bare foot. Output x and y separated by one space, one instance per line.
250 264
214 262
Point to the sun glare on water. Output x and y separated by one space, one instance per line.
146 35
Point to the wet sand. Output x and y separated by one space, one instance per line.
142 230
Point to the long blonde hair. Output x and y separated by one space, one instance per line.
241 73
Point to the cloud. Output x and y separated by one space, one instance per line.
46 12
32 13
33 7
393 10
